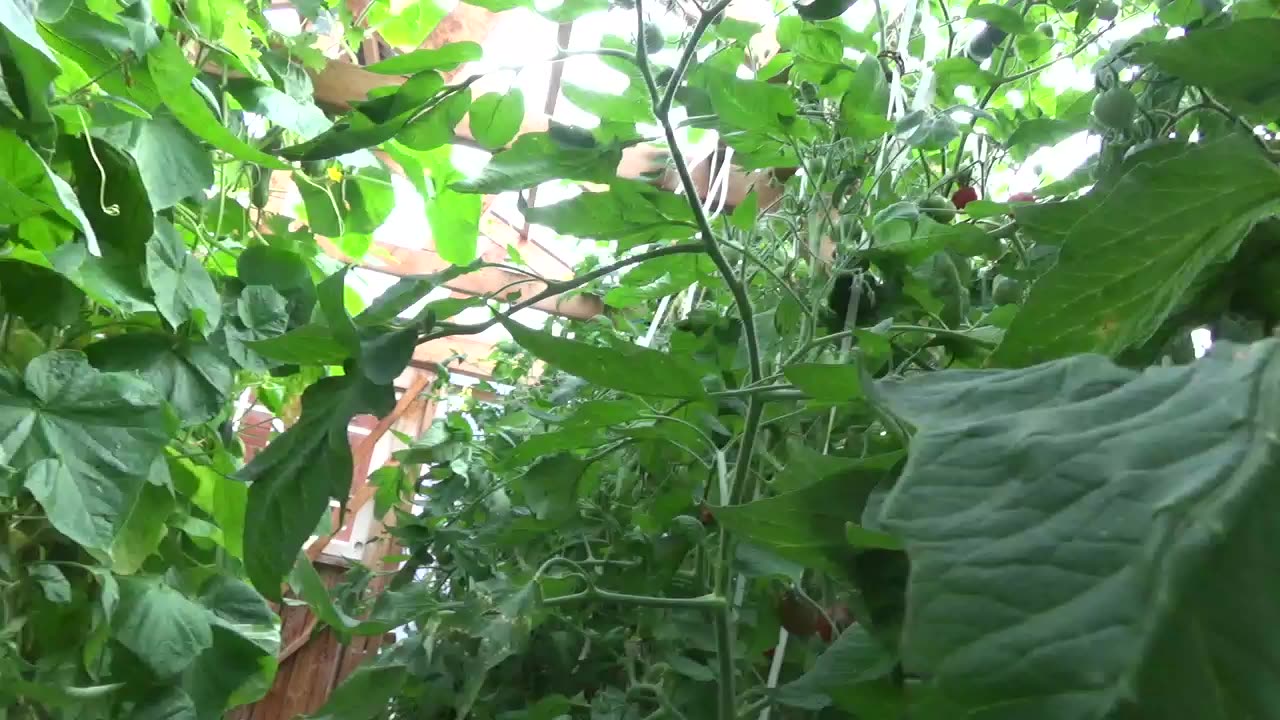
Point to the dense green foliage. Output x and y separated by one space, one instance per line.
884 448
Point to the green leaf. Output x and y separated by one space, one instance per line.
630 106
570 10
143 529
1040 132
16 18
750 104
630 212
863 107
294 477
170 160
495 118
445 57
1233 61
1006 18
312 343
390 483
366 694
52 582
303 118
261 313
806 525
855 657
744 216
629 368
113 197
497 6
386 352
163 628
331 294
1126 264
220 497
436 126
86 440
834 383
308 585
169 704
28 188
454 216
234 605
551 486
192 376
173 77
372 122
817 10
184 291
1056 504
535 158
39 295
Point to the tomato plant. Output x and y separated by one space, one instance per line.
836 449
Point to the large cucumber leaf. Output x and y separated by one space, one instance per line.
1088 541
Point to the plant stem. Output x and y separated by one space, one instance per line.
559 288
661 109
705 602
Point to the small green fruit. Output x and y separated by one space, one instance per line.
1045 29
1006 290
938 208
1107 10
653 38
572 137
1115 108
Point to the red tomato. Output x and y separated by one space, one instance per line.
824 629
1022 197
704 514
964 196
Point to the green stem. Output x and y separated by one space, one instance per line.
558 288
661 110
704 602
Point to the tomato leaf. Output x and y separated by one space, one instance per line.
1126 264
1230 60
629 368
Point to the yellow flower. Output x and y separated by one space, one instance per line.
335 173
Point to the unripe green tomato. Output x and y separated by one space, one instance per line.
1006 290
1107 10
24 346
689 527
1045 29
1115 108
653 38
938 208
